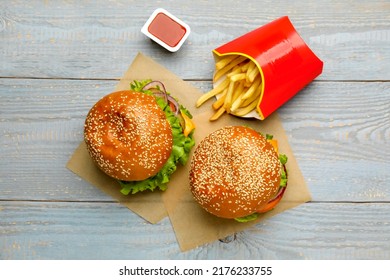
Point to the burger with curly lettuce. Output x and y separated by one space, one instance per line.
139 136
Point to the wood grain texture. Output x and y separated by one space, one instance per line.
109 231
42 124
96 39
57 58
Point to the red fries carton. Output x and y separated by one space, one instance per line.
286 64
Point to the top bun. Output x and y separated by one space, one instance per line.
128 136
234 172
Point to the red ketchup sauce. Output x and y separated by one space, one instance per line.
167 30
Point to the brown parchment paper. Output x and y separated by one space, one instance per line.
192 225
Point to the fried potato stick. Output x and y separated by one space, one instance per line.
218 114
224 61
212 92
219 73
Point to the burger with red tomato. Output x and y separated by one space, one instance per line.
237 173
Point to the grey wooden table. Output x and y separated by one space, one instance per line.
58 57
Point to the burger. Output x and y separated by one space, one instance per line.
237 173
139 136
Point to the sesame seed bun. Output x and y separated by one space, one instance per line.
128 136
234 172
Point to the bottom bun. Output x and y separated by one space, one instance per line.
234 172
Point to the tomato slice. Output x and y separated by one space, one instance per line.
273 202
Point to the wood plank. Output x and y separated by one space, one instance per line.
57 58
41 125
341 140
35 230
42 122
99 40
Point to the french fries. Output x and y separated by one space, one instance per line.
240 87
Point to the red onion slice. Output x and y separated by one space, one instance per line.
279 194
158 89
173 103
159 93
155 84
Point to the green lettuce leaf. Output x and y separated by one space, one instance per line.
283 177
283 183
248 218
182 146
283 159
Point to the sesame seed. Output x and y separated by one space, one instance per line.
234 164
128 135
